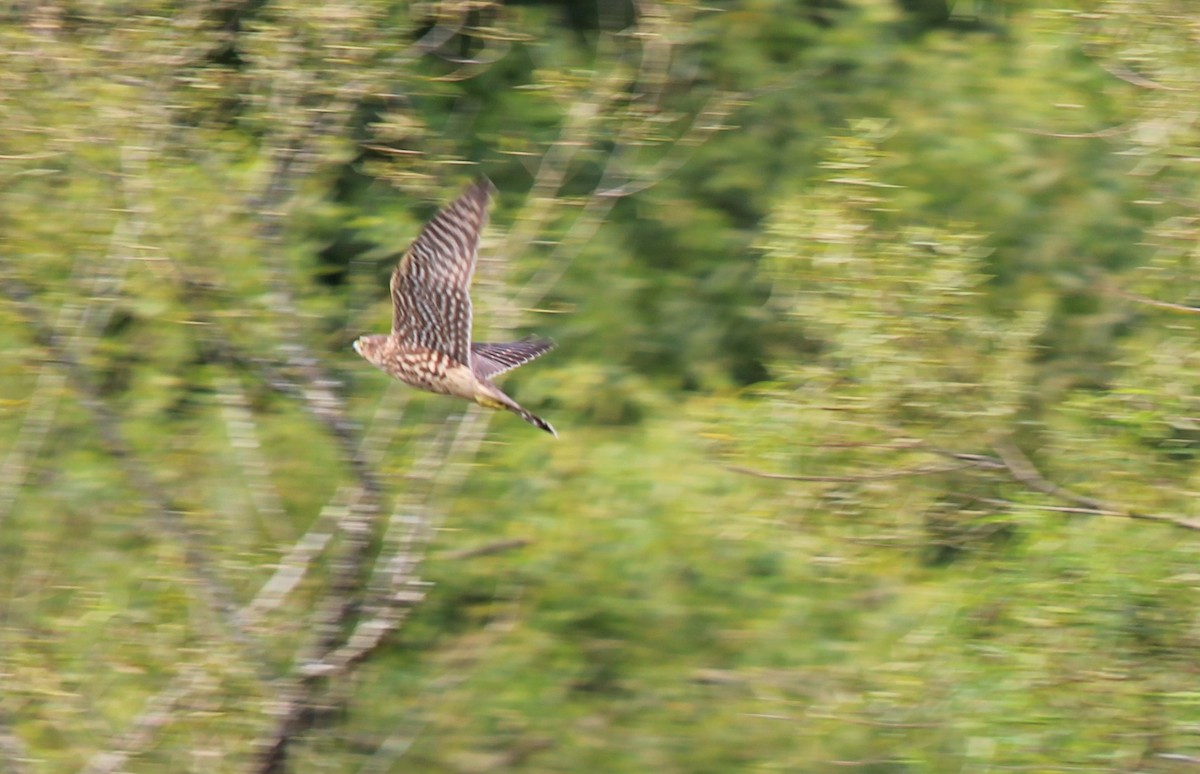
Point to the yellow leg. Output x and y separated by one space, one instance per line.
489 402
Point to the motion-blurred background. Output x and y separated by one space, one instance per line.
877 383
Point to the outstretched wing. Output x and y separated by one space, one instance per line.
488 360
431 286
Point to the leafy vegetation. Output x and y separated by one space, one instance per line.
877 385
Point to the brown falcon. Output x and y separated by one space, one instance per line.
430 344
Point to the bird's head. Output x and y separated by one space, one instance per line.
373 348
368 347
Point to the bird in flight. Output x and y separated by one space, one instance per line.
430 344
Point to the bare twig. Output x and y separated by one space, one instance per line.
36 423
1021 468
707 122
447 26
1010 504
157 713
1013 463
247 452
103 282
12 749
292 569
1140 299
905 473
487 549
396 586
976 460
614 181
295 564
467 652
1023 471
1111 131
1179 758
1119 70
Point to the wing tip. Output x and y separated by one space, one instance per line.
541 341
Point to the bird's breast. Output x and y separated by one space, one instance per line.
432 371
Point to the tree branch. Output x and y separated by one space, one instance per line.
168 516
343 592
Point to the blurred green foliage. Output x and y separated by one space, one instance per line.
877 380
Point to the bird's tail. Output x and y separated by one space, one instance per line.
533 419
493 397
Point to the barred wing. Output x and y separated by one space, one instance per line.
431 286
488 360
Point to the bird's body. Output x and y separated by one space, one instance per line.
430 344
